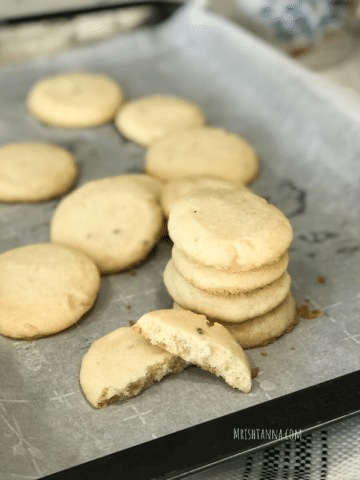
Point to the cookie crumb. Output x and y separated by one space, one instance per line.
131 323
128 307
304 312
254 372
307 300
264 354
136 329
321 279
292 348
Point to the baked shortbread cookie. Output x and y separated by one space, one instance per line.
44 289
193 338
34 172
176 189
121 365
151 184
227 308
262 330
149 119
75 100
229 229
215 281
202 151
115 221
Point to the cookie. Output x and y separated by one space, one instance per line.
262 330
207 151
75 100
193 338
121 365
149 119
176 189
151 184
229 229
45 288
116 222
34 172
214 281
228 308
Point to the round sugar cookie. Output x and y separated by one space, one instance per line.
44 289
176 189
121 365
34 172
215 282
115 221
151 184
149 119
202 151
229 229
231 308
75 100
262 330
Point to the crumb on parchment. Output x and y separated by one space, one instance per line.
304 312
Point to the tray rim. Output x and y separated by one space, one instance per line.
206 445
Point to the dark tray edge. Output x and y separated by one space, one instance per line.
208 444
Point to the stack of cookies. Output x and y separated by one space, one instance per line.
229 262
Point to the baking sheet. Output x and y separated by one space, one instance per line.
309 151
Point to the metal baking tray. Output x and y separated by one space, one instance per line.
308 148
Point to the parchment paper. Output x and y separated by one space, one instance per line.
309 150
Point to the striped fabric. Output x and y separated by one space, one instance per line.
332 453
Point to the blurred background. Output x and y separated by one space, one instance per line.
322 35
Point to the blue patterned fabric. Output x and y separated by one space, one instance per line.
300 18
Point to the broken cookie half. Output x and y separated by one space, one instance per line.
121 365
197 340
